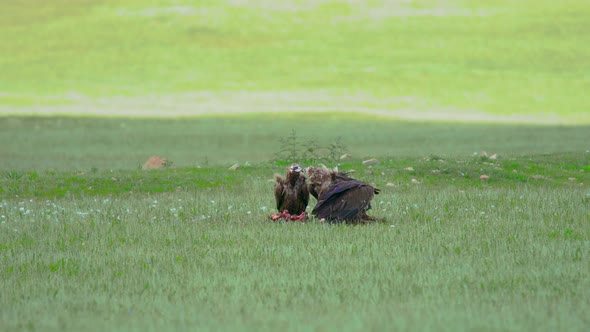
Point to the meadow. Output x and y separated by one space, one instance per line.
85 246
90 89
499 60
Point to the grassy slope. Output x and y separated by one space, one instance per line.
502 57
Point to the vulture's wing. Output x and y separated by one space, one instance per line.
340 187
314 188
347 200
279 192
339 177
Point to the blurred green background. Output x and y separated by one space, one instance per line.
496 60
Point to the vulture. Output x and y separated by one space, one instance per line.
340 198
291 195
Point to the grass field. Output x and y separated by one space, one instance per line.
499 60
88 246
89 241
83 143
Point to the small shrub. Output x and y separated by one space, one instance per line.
294 148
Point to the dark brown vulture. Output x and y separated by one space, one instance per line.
322 178
291 195
340 197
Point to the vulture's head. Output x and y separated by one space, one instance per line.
294 168
320 179
293 172
318 175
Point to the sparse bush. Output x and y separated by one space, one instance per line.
294 148
336 149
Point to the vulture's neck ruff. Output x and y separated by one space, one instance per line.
292 177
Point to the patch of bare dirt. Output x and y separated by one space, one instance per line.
156 162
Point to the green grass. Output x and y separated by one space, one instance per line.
490 258
89 241
502 58
83 143
88 246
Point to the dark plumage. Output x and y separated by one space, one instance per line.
340 197
291 193
321 178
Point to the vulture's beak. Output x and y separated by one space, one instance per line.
296 168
